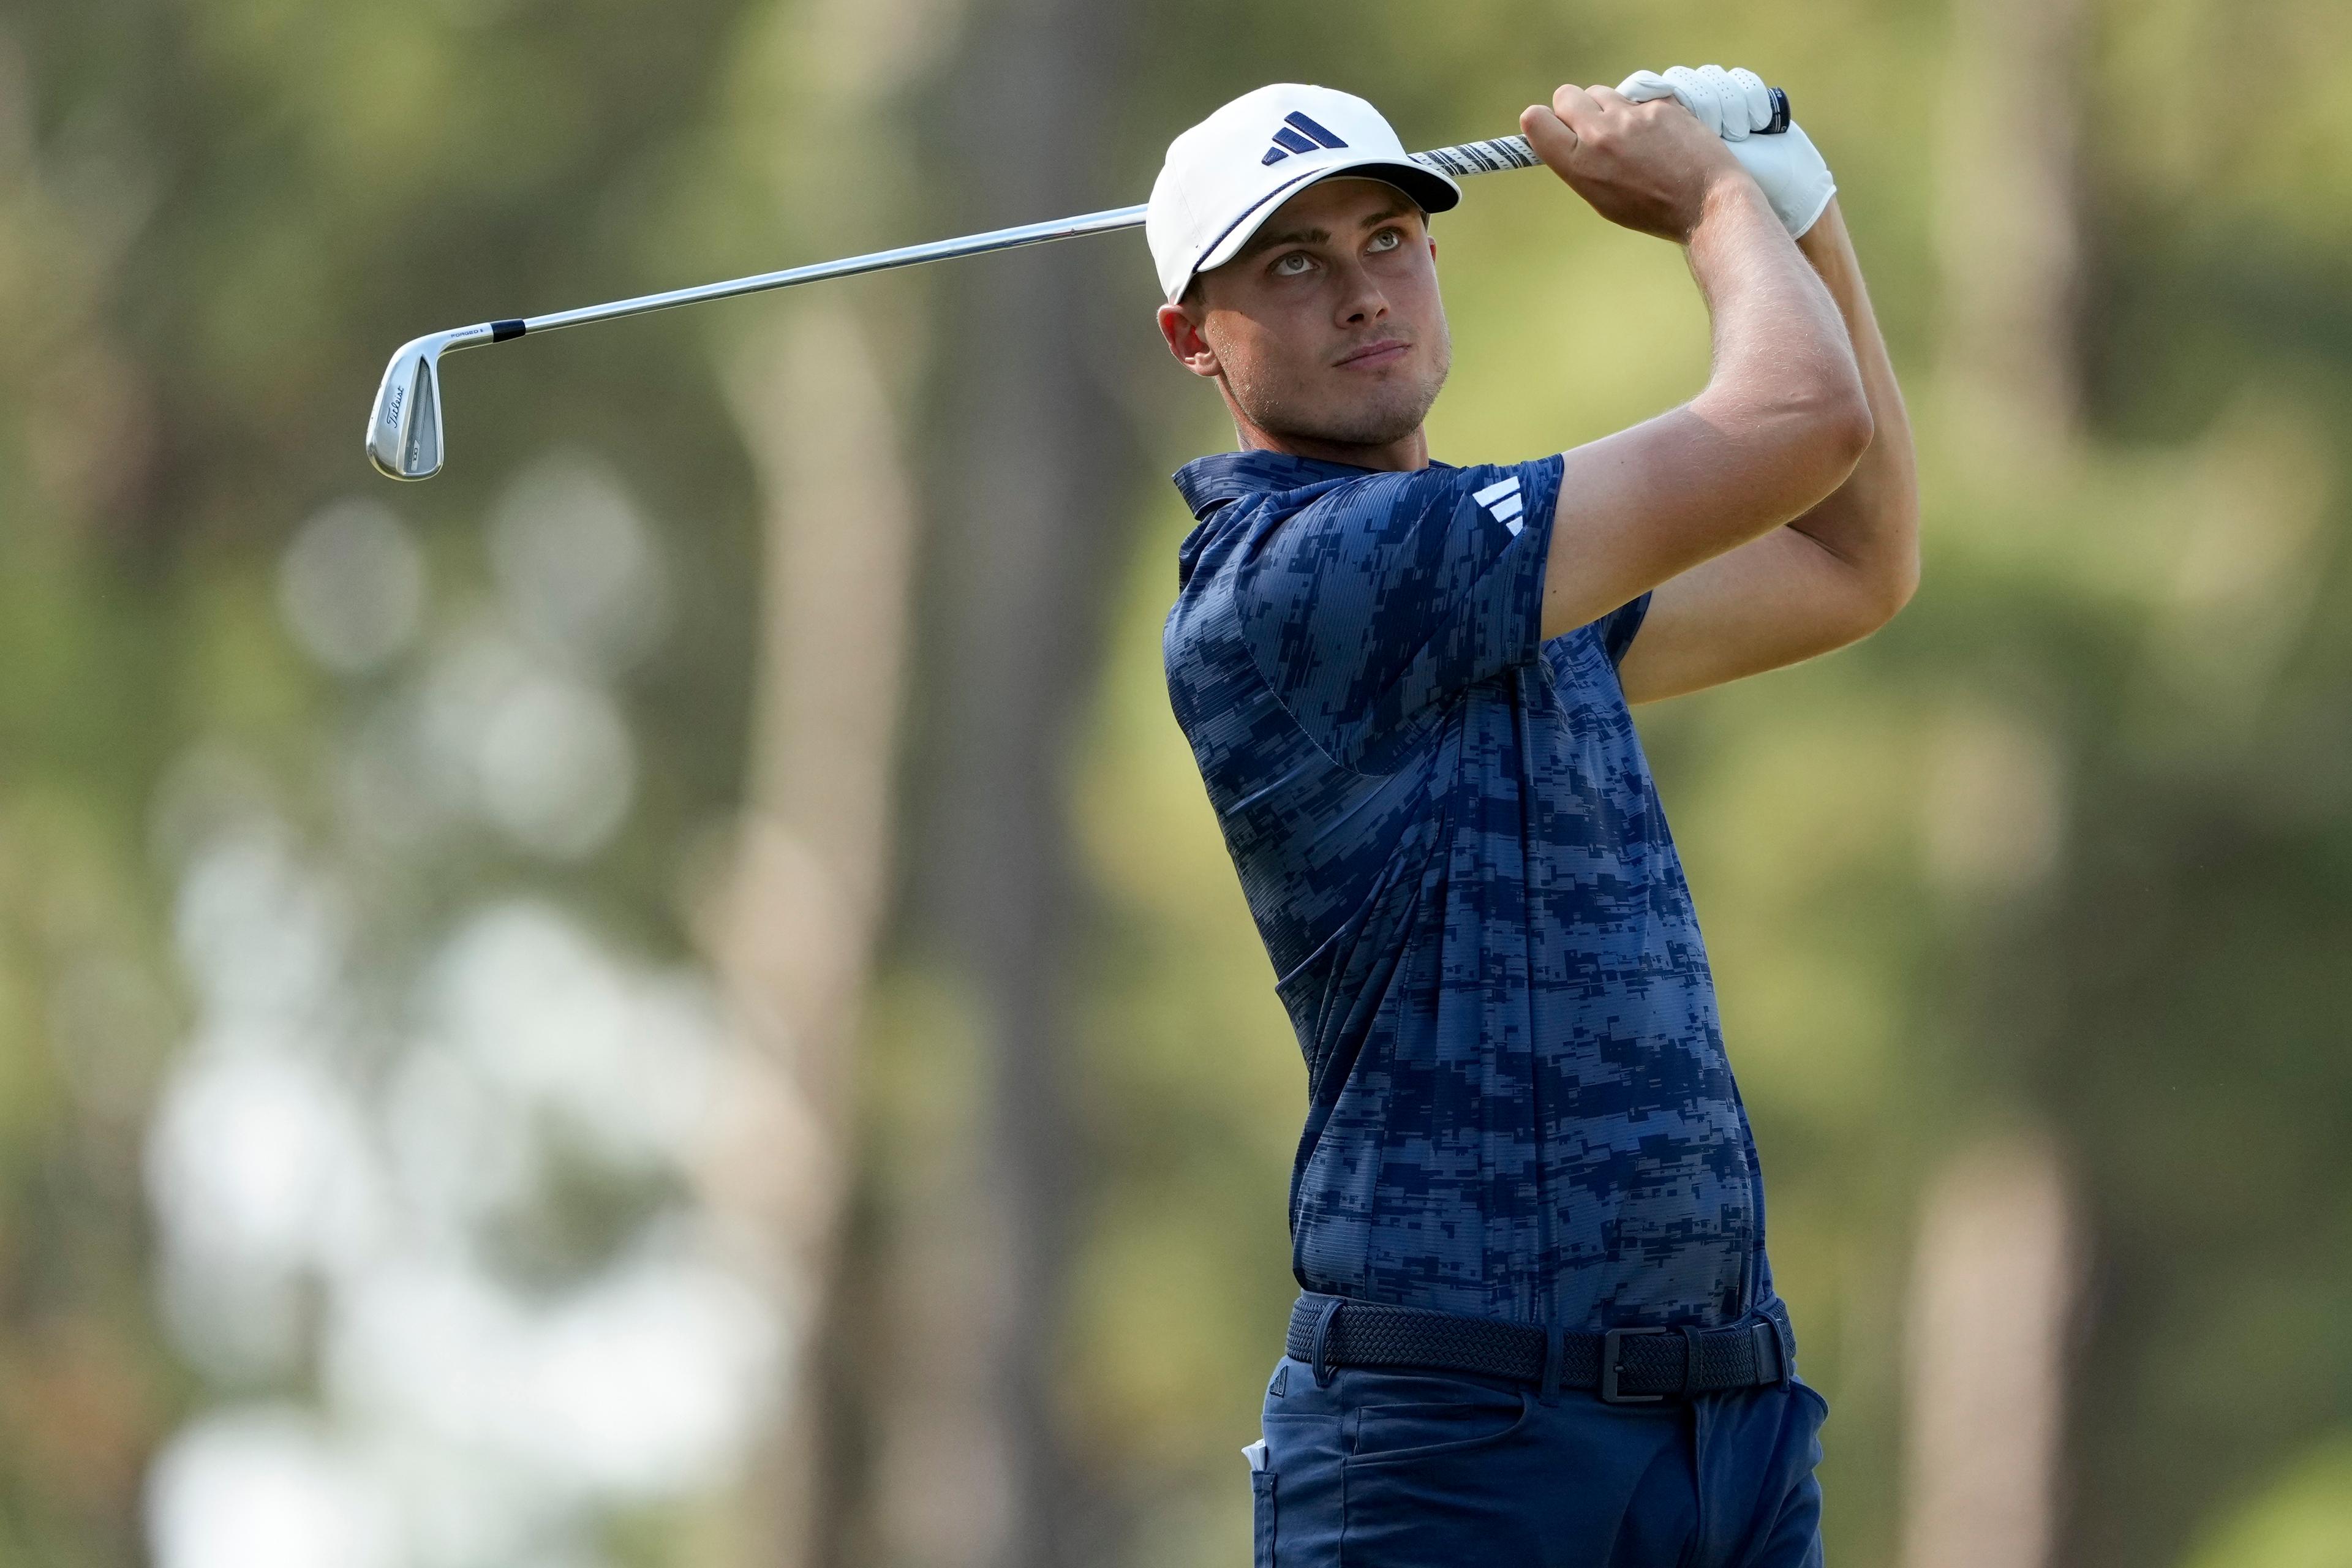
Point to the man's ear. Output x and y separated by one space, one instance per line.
1184 341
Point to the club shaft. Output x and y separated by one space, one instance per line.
1470 158
1464 159
877 261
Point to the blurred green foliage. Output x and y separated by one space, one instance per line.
2069 843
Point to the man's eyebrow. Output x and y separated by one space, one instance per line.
1288 236
1258 242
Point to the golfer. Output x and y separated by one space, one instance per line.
1539 1327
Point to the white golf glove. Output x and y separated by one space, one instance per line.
1735 104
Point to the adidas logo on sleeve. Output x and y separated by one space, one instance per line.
1503 503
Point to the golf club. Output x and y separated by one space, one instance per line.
404 433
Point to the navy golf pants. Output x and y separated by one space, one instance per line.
1386 1469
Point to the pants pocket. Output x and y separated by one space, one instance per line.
1262 1515
1394 1434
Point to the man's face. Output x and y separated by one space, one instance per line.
1327 325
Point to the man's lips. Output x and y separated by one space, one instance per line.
1371 356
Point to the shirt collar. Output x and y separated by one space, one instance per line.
1207 483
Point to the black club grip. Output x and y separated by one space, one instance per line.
1513 152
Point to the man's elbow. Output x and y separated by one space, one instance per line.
1902 580
1890 576
1868 595
1824 431
1842 428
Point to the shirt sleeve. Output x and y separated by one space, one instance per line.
1618 627
1383 600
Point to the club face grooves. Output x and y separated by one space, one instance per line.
421 454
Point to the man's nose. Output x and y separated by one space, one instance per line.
1360 298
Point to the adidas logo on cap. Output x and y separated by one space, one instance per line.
1291 136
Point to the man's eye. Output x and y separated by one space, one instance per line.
1282 266
1387 240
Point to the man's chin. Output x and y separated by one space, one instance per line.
1372 423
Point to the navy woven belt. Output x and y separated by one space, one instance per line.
1623 1366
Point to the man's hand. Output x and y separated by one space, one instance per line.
1648 167
1735 104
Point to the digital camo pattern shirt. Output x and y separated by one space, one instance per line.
1517 1097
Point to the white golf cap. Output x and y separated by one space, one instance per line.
1231 172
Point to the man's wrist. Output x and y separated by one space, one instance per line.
1824 238
1731 192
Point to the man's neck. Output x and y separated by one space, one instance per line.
1401 455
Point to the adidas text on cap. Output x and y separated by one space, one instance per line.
1229 174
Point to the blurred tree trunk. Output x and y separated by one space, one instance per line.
2008 236
1994 1286
812 116
795 934
1997 1261
1028 491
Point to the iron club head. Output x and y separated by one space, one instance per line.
404 433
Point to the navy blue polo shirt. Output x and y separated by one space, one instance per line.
1518 1100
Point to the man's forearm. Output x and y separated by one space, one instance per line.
1783 417
1782 373
1871 522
